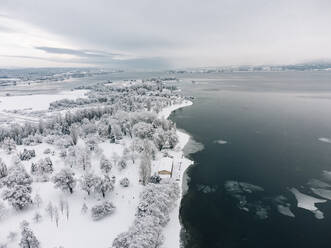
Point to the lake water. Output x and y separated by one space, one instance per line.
263 134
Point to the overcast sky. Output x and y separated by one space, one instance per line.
163 34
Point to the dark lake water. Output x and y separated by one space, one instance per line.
272 123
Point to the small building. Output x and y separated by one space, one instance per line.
165 167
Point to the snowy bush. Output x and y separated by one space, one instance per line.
47 151
98 212
105 165
122 164
65 180
64 141
125 182
50 139
155 179
32 140
26 154
8 145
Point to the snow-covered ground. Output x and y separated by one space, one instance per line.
16 108
37 102
78 229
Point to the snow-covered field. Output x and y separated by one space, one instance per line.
70 224
17 108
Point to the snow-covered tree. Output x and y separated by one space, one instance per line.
3 169
62 204
102 210
67 209
116 132
28 239
50 210
9 145
149 148
125 182
143 130
74 135
159 138
104 185
89 182
17 175
56 216
84 208
65 180
42 169
145 168
19 196
105 165
37 217
37 201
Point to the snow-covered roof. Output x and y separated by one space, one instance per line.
165 163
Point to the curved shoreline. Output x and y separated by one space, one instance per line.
173 229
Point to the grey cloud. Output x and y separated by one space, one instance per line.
189 32
79 53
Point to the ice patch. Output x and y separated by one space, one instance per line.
327 175
285 210
308 202
325 193
192 147
318 183
283 206
241 187
240 191
325 140
261 212
206 188
221 142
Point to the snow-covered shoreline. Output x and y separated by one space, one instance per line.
173 228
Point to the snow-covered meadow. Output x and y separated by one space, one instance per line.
86 175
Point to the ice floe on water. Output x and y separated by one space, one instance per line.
285 210
206 188
220 142
241 187
308 202
192 147
325 140
283 206
316 183
327 175
241 192
325 193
